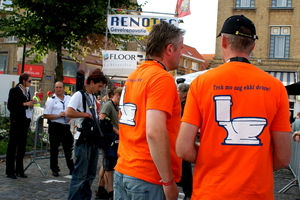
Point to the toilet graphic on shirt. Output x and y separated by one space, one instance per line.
240 130
128 111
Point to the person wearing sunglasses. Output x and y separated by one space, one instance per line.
19 104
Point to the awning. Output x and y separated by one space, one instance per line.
69 80
293 89
287 78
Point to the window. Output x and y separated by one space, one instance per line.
195 66
3 4
189 53
89 68
3 62
96 52
70 68
12 39
185 64
280 42
281 3
244 3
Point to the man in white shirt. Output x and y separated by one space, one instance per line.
59 128
86 151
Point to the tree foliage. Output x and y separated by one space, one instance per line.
76 25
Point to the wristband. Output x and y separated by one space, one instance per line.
167 183
56 116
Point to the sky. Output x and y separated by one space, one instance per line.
200 26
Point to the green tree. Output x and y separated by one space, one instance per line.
76 25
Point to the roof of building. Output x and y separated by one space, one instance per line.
208 56
191 52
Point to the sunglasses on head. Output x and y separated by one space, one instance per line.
29 81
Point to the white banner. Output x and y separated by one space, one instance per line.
135 24
119 63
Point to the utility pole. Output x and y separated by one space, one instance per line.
106 33
23 59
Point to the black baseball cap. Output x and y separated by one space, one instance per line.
233 25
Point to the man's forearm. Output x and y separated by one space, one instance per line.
186 148
71 113
158 141
160 152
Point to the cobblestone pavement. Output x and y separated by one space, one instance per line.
38 187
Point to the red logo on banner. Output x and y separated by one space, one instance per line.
32 70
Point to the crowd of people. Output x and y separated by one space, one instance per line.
244 135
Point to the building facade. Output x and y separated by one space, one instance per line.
12 61
191 61
43 73
277 26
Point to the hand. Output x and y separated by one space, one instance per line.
88 115
296 136
28 103
62 114
171 191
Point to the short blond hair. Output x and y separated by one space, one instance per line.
118 91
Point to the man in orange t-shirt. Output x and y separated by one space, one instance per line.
243 116
149 122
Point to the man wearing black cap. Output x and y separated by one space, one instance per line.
243 116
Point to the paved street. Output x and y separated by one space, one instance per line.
50 188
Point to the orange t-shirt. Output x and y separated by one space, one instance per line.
236 106
148 87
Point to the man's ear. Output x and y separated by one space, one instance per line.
170 49
253 46
223 41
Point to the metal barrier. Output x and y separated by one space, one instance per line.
39 128
293 166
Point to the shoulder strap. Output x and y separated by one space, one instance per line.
83 100
91 107
113 104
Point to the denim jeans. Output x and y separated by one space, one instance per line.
131 188
85 168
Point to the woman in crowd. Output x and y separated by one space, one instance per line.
19 104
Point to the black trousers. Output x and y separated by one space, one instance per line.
17 144
186 181
60 134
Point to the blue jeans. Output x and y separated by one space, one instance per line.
131 188
85 168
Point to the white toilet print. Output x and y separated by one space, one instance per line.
128 111
240 130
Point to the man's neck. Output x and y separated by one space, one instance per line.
88 90
242 55
160 61
61 96
114 101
